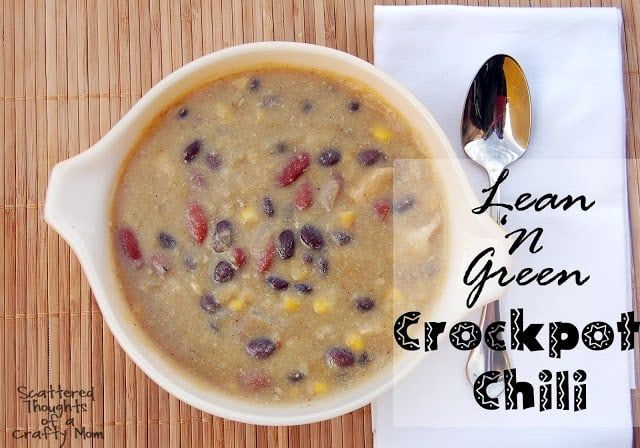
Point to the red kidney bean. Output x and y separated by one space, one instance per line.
260 348
130 246
223 272
304 196
382 208
239 257
267 257
286 244
370 157
192 150
311 237
198 226
293 169
339 357
277 282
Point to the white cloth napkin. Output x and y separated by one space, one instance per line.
573 62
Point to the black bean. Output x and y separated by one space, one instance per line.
339 357
342 238
403 204
296 376
307 106
281 147
354 106
189 263
223 236
223 272
267 206
277 282
311 237
271 101
210 304
260 348
192 150
254 84
369 157
364 358
323 265
214 161
166 240
329 157
365 304
286 244
182 112
304 288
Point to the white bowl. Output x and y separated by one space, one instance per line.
78 207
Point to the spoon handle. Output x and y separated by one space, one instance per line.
483 359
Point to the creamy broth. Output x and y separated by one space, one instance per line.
252 232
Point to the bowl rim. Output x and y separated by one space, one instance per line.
109 310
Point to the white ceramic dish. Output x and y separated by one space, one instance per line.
78 207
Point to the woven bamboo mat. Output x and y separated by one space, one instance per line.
69 70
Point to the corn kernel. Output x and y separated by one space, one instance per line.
347 219
355 342
320 388
382 134
248 216
300 272
321 305
238 304
290 303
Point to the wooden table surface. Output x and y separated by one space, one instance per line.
68 71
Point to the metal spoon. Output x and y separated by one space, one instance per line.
496 126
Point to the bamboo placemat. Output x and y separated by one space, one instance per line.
70 69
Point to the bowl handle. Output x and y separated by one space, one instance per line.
76 196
